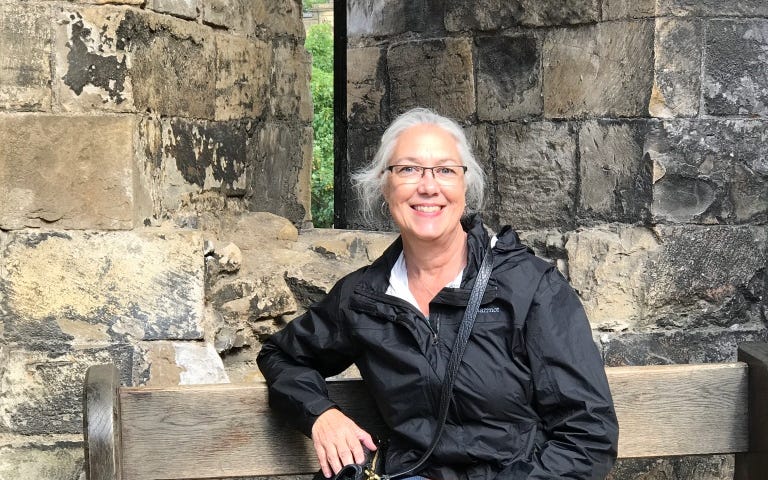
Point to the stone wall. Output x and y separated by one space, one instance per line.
130 130
626 140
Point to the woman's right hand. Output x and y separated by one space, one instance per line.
339 441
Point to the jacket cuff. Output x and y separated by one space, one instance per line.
314 410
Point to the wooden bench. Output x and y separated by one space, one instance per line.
228 430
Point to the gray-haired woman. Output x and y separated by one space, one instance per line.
530 400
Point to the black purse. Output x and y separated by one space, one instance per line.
372 469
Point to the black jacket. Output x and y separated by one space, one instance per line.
531 400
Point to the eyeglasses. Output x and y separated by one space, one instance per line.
443 174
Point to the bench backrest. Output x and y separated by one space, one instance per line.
228 430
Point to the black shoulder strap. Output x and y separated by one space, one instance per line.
459 345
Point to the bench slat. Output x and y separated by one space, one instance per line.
227 430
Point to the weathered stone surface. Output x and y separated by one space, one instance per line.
497 14
600 70
79 288
52 460
677 65
25 72
710 171
172 64
182 363
536 167
242 300
91 71
42 391
508 77
242 77
736 67
708 276
712 8
616 176
179 8
432 73
279 157
675 277
607 268
678 346
290 98
626 9
366 85
479 138
265 20
361 147
199 156
383 18
50 173
715 467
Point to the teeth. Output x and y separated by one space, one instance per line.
426 209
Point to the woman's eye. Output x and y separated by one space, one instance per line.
446 171
407 170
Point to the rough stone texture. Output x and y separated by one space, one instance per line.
616 176
49 460
600 70
52 174
736 67
677 66
508 77
432 73
712 8
179 84
289 89
536 174
714 467
42 391
361 147
25 72
242 77
625 9
77 288
279 159
180 8
671 276
182 363
497 14
480 141
383 18
366 85
667 347
91 71
710 171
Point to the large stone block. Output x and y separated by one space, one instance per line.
433 73
712 8
252 18
710 171
172 64
536 174
278 157
361 147
25 72
735 67
52 460
508 77
366 85
179 8
62 290
681 276
706 467
383 18
42 391
242 77
289 88
91 71
616 176
677 66
626 9
462 15
53 174
600 70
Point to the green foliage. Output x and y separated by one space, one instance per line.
319 43
306 5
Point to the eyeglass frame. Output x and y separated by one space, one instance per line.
391 168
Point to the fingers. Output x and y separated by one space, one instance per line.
338 441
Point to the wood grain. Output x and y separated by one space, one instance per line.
217 431
101 423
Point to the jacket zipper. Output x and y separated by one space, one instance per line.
399 302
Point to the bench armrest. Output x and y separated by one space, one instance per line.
101 424
754 464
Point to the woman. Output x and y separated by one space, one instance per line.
530 401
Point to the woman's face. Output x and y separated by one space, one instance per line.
430 206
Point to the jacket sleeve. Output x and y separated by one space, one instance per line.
296 360
571 393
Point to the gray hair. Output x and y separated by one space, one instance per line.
369 181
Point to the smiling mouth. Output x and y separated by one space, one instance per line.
427 208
